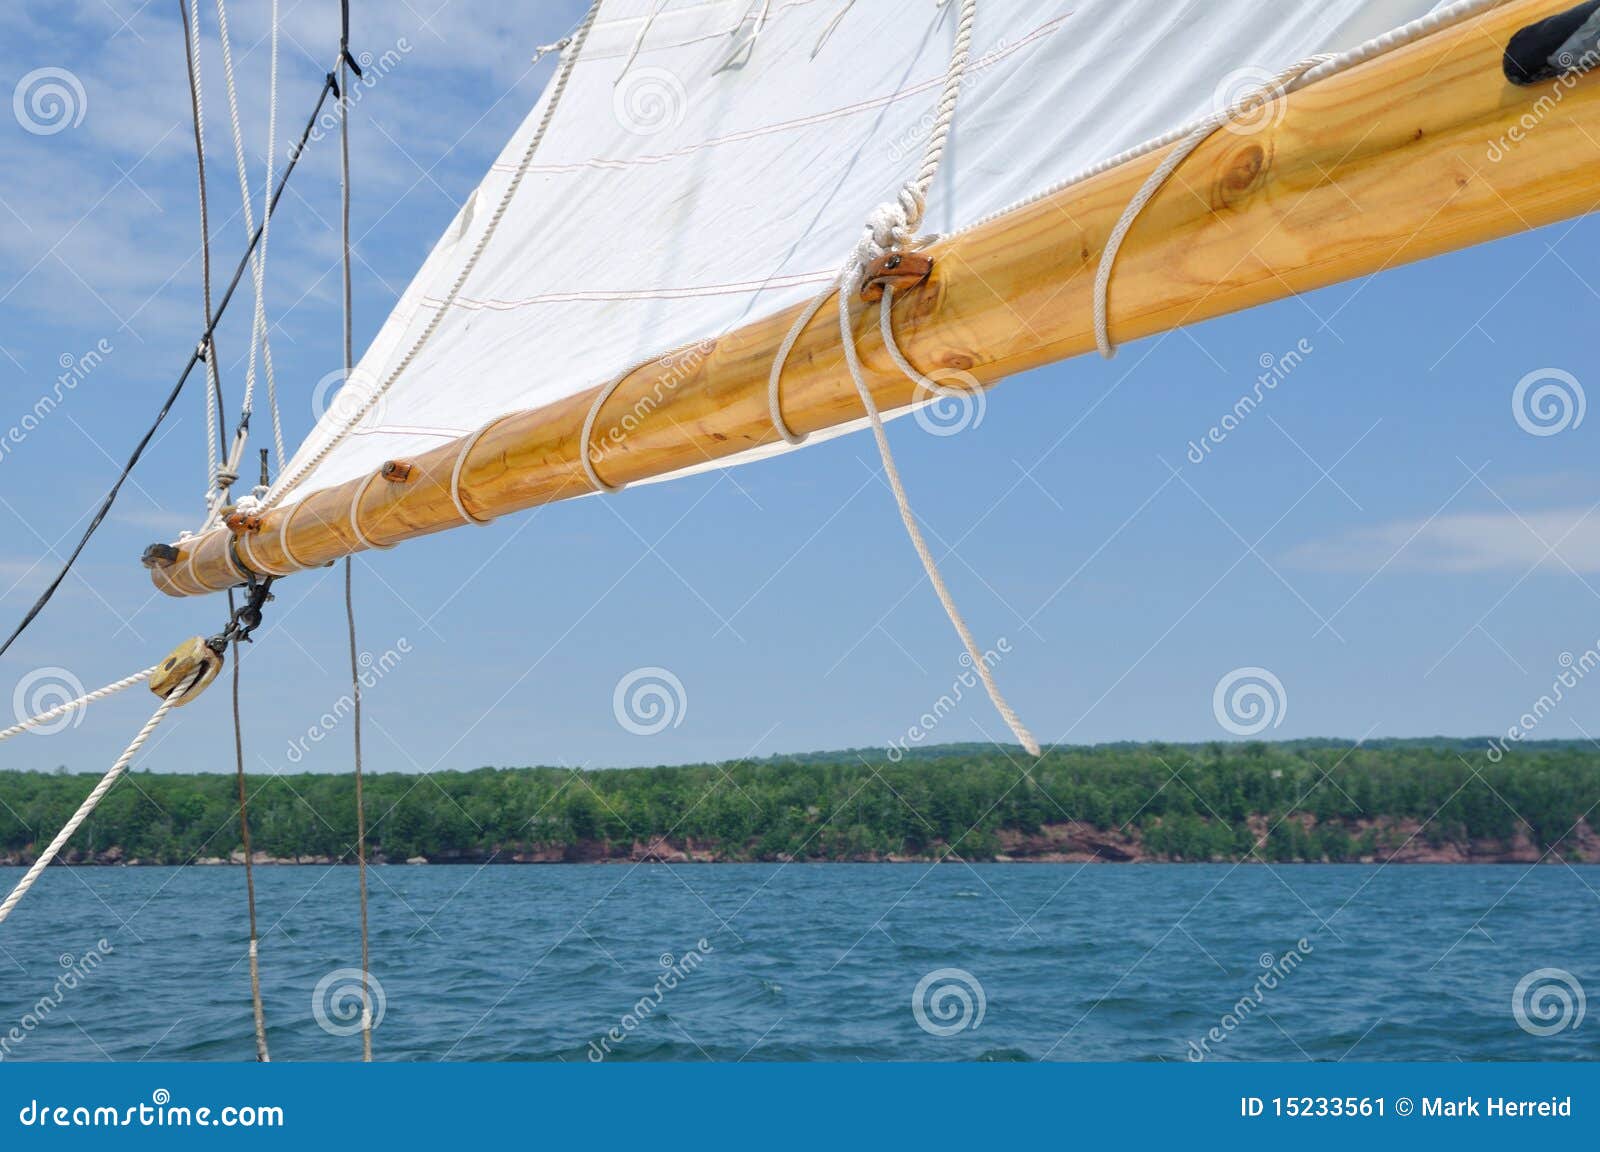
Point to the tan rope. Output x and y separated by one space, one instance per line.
249 867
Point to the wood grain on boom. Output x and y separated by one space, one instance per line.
1421 151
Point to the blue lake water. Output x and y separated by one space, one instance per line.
814 962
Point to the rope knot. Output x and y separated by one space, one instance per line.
225 478
892 225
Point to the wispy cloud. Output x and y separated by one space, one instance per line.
1462 542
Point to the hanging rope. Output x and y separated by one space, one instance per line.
92 801
349 565
891 227
569 58
88 698
257 1008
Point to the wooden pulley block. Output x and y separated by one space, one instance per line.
193 660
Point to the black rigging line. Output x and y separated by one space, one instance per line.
329 84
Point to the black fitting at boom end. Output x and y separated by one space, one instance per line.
1566 42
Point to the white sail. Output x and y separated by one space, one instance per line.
713 162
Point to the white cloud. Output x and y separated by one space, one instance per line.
1462 543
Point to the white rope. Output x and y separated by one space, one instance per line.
569 58
266 226
248 209
93 799
228 474
893 226
355 519
584 451
467 446
1273 90
87 698
214 386
853 360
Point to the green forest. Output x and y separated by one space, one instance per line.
1305 801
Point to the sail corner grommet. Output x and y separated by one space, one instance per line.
194 663
901 271
159 556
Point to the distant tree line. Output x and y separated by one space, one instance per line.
1296 801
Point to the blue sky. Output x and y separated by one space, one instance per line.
1381 534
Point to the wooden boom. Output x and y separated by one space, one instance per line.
1420 151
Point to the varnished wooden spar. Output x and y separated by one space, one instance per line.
1424 150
